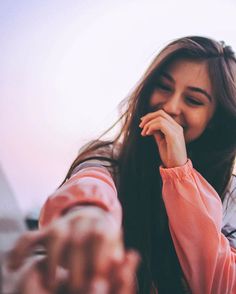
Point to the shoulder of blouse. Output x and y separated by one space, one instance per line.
105 151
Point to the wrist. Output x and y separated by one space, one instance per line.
173 164
178 172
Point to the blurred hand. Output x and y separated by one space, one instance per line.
85 243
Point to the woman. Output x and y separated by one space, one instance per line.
186 101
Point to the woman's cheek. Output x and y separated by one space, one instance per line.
193 132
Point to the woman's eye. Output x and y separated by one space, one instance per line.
163 87
193 101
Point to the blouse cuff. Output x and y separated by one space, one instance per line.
176 172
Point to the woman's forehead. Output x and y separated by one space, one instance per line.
188 72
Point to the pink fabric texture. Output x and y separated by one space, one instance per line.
194 210
195 218
90 186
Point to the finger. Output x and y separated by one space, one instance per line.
158 113
159 124
124 275
101 249
80 255
132 261
33 280
99 253
61 283
83 278
87 271
146 118
105 248
24 247
77 263
122 284
57 245
167 131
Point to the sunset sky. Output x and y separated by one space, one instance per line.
65 66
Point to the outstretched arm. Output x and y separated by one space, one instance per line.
81 231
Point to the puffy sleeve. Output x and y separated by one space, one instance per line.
90 184
194 211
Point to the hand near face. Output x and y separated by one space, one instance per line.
87 247
169 137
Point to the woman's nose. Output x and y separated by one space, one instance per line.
172 106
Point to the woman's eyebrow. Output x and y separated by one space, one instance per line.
168 76
199 90
194 89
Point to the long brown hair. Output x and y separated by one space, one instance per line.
138 181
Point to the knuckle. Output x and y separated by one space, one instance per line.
159 119
161 111
56 234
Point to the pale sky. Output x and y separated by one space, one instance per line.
65 66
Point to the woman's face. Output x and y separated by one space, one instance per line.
184 91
